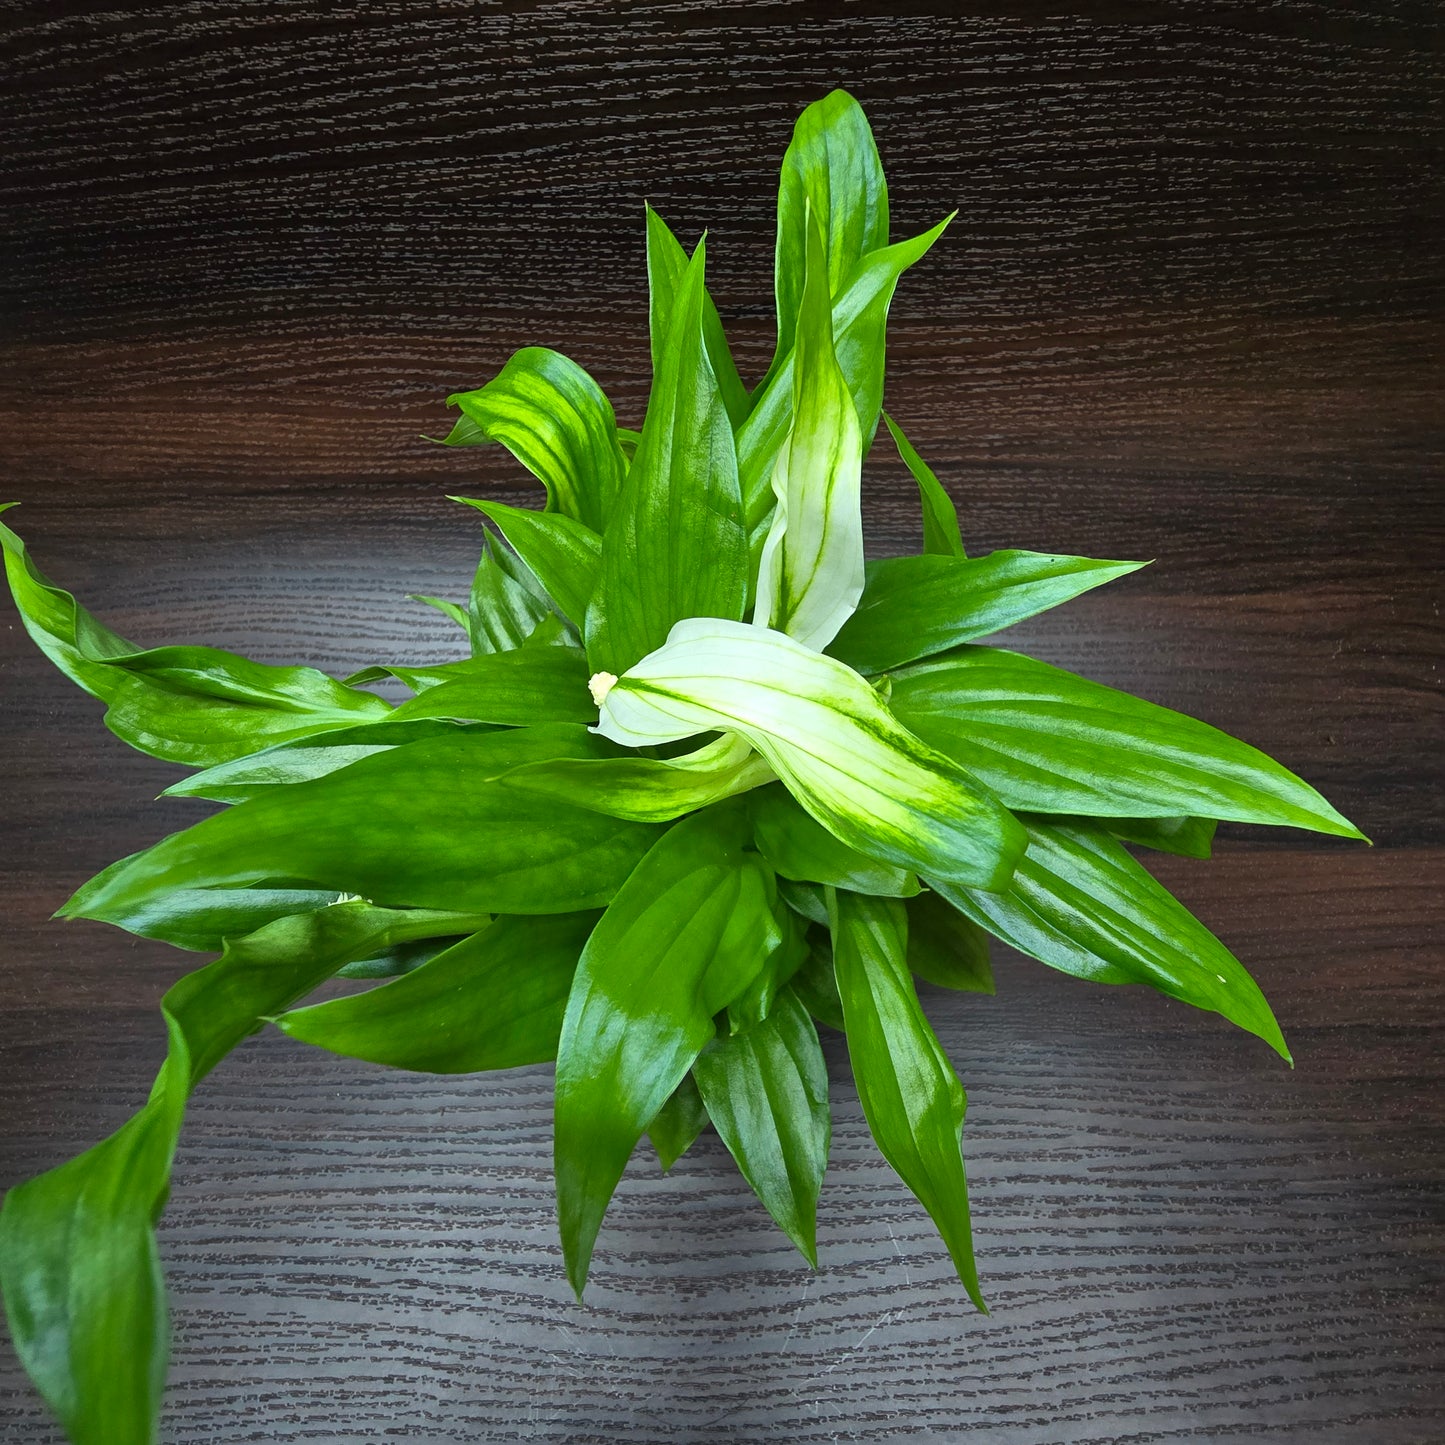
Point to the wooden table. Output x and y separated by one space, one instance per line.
1188 311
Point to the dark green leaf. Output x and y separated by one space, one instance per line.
1081 904
799 847
1050 741
563 554
756 1001
816 984
493 1001
666 269
766 1092
503 610
807 900
684 936
675 547
915 606
911 1097
941 535
424 825
81 1277
555 420
678 1123
529 685
945 948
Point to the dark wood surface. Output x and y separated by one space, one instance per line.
1190 310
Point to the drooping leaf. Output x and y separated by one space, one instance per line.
675 547
797 846
831 178
557 422
82 1281
425 825
666 269
913 607
1081 904
1050 741
941 534
683 937
492 1001
196 705
825 733
860 317
945 948
810 576
649 790
676 1126
911 1096
564 554
527 686
766 1092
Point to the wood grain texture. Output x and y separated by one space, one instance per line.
1190 310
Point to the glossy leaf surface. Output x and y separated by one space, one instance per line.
1081 904
564 554
551 415
1047 740
424 825
766 1092
911 1096
913 607
527 686
492 1001
675 547
825 733
683 937
676 1126
945 948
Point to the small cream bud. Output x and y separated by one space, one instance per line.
599 685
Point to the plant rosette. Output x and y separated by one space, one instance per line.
705 781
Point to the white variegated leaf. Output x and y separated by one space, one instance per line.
829 738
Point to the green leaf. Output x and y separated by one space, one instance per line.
454 610
941 535
79 1269
825 733
832 178
666 270
766 1092
807 900
911 1096
1050 741
860 318
557 422
529 685
678 1123
945 948
196 705
1081 904
648 790
811 572
1184 837
756 1001
675 547
564 555
683 937
424 825
915 606
492 1001
798 847
503 610
816 984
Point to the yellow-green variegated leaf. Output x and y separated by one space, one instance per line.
811 574
827 735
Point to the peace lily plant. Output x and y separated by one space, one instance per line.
705 781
